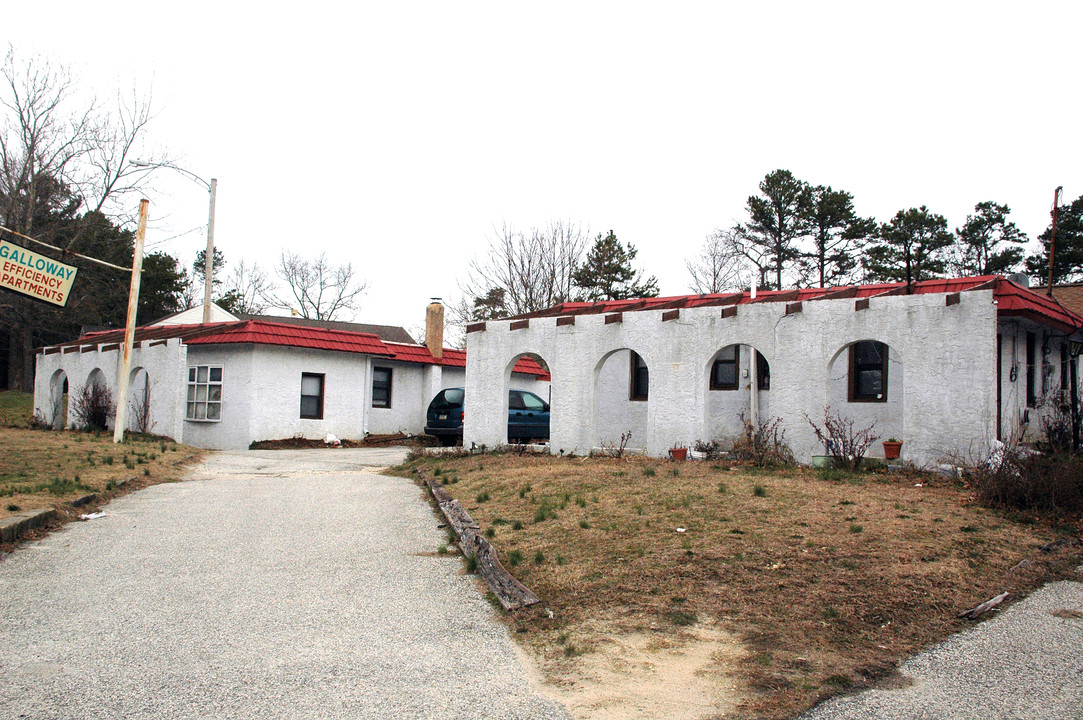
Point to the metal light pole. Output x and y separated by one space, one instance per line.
208 265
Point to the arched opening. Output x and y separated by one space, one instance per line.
621 400
528 396
730 393
139 401
58 400
94 406
865 384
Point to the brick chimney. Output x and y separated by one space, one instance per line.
434 328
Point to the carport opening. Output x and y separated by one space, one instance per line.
528 396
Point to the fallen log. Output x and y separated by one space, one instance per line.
511 593
984 607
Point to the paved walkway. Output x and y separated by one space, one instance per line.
274 584
1026 663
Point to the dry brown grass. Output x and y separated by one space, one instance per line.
827 583
43 468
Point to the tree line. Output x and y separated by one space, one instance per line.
66 179
797 234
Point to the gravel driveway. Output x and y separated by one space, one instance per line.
274 584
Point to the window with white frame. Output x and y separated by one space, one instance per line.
204 393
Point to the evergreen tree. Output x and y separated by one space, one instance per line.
838 235
988 243
777 219
607 273
1068 251
909 248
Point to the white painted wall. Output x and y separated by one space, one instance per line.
946 355
164 364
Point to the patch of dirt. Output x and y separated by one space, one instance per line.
1068 614
370 441
646 674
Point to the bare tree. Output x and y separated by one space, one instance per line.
61 159
248 287
523 272
315 288
718 267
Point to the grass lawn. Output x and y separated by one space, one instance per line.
45 468
824 582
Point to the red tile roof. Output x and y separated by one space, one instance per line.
457 358
260 332
1012 299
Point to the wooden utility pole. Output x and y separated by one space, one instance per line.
129 330
1053 239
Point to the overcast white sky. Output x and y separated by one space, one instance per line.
395 135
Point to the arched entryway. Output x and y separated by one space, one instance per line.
528 395
58 400
730 395
621 399
139 401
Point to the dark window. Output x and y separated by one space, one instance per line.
763 370
724 371
1032 379
381 387
312 396
868 372
640 379
1064 366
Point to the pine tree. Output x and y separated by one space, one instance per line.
607 273
909 248
777 219
1068 251
988 243
838 235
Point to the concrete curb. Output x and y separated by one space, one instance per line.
11 528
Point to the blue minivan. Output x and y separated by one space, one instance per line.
528 416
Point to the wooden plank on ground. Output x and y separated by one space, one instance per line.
511 593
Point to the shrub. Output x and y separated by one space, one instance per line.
765 445
844 444
1018 478
93 407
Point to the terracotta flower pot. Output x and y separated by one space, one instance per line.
678 453
892 450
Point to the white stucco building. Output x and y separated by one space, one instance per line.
944 365
226 384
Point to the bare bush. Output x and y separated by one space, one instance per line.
1055 421
93 407
1017 477
764 445
140 413
847 446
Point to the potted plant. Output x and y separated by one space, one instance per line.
892 448
678 452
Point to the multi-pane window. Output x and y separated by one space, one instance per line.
725 373
381 387
312 396
204 393
868 372
640 378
